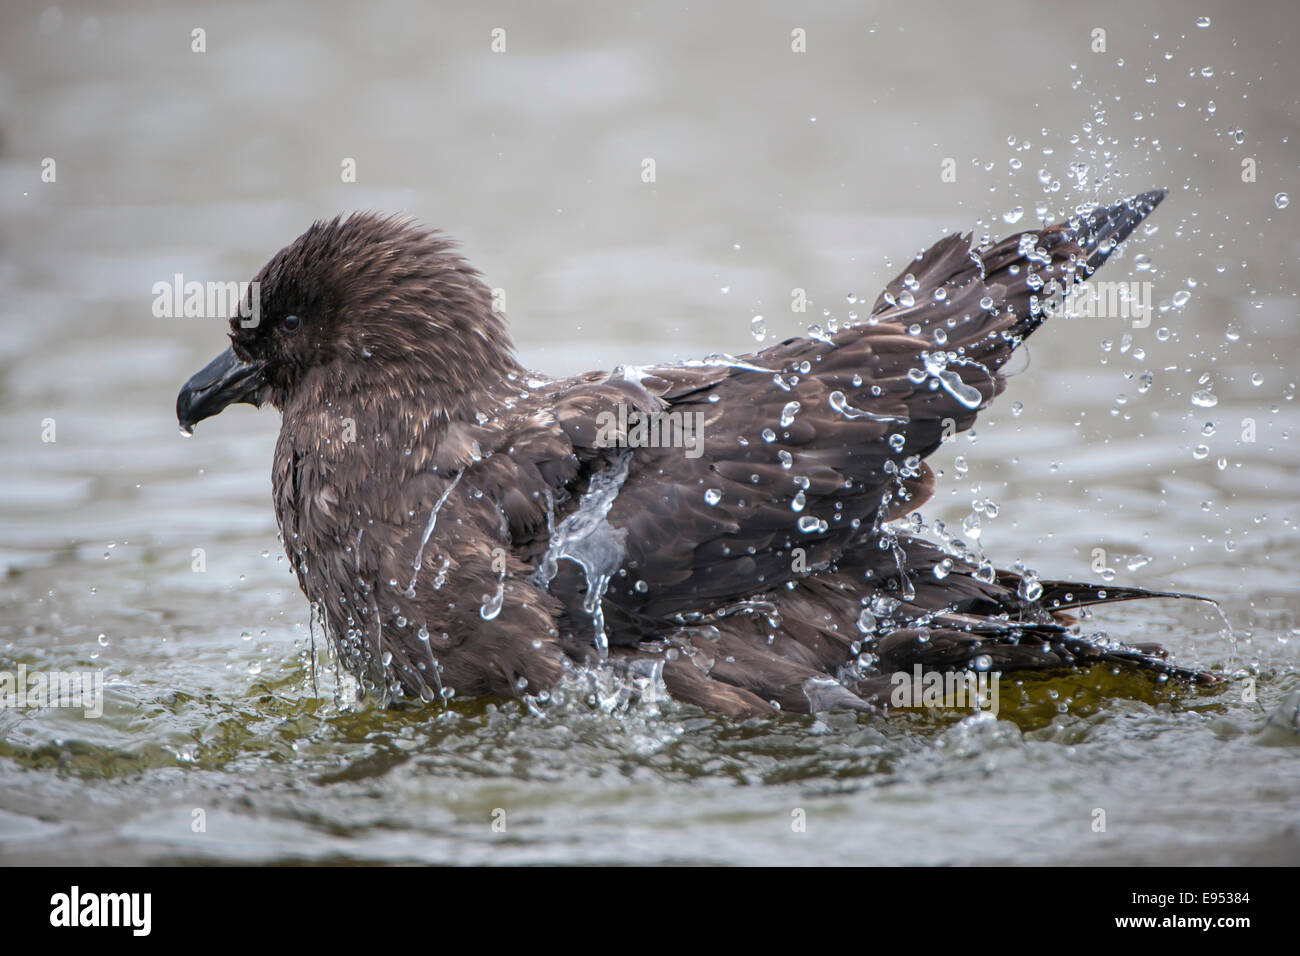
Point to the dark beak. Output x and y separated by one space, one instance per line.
226 380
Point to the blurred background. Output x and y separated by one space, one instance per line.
793 147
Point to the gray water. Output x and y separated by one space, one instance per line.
774 170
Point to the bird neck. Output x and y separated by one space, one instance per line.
398 426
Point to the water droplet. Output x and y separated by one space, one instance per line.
1013 216
1202 22
883 605
1281 200
1205 398
811 524
490 608
757 328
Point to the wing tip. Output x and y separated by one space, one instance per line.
1108 226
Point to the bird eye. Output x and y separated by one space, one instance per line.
290 323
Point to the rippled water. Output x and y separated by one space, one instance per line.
775 170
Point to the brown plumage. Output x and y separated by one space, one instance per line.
453 515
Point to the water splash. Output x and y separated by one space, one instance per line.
587 539
428 531
936 364
492 602
723 360
841 405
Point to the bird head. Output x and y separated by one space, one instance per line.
364 304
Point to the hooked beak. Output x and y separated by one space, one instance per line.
226 380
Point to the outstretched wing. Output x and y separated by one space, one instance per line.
812 451
769 465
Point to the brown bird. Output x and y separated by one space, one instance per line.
468 527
